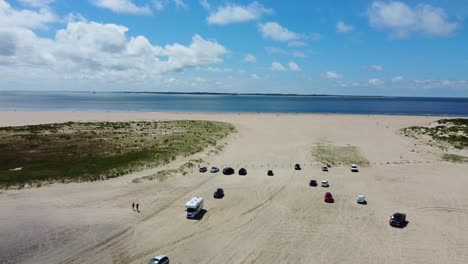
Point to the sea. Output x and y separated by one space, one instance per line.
230 103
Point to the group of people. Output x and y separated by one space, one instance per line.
135 206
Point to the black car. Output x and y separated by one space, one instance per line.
242 172
219 193
270 173
202 169
228 171
297 167
313 183
398 220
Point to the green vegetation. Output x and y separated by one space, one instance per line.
452 132
32 155
338 155
454 158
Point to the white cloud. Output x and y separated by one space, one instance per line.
36 3
10 17
293 66
341 27
159 5
397 79
296 43
276 66
275 50
375 81
232 13
205 4
299 54
254 76
180 4
274 31
375 68
91 51
332 75
250 58
402 20
122 6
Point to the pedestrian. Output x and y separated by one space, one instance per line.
137 207
133 206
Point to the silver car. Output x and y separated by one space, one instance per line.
161 259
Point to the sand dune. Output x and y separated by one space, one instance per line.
261 219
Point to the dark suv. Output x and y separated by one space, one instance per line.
313 183
270 173
398 220
242 172
297 167
228 171
219 193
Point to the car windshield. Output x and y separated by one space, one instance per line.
190 210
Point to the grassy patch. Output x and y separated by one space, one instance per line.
94 151
338 155
452 132
454 158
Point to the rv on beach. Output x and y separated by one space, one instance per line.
194 207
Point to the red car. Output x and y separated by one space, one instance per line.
328 197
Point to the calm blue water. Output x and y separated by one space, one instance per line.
106 101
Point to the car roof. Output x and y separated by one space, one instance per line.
159 257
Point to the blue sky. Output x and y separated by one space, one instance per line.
407 48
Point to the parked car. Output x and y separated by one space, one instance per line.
328 197
161 259
354 168
214 169
313 183
219 193
228 171
361 199
202 169
324 168
270 173
242 172
297 167
325 184
398 220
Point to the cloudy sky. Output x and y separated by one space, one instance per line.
408 48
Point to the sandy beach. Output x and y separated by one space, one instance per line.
261 219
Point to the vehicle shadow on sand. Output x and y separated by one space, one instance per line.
200 215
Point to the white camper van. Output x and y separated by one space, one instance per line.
194 207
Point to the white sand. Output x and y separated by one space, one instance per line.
262 219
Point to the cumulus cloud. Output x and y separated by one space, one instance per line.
402 20
276 66
10 17
36 3
341 27
233 13
205 4
122 6
274 31
254 76
293 66
375 68
250 58
332 75
299 54
375 81
90 50
297 43
397 79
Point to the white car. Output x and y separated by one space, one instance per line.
161 259
354 168
361 199
325 184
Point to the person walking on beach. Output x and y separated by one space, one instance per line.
133 206
137 208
